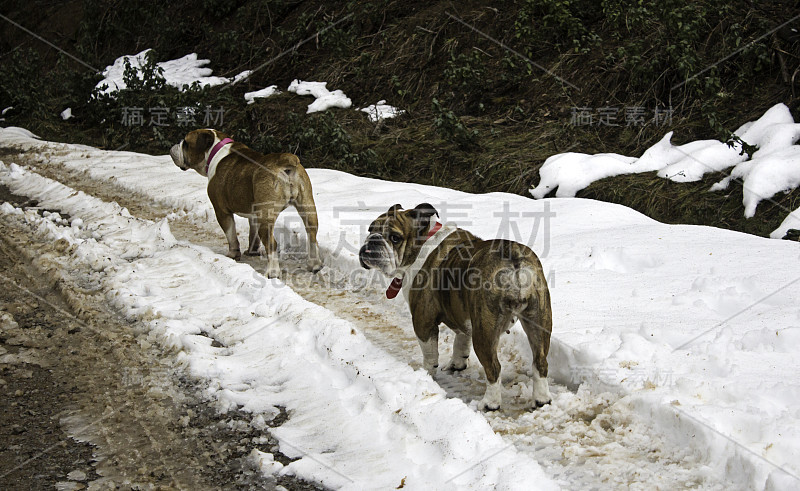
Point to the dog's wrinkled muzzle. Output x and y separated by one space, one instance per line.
177 156
370 255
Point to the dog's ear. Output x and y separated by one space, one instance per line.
394 209
424 210
204 141
421 215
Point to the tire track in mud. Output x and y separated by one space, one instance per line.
582 440
124 398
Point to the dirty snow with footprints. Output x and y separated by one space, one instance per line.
672 361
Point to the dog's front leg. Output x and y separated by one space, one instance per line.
427 330
308 213
228 225
430 352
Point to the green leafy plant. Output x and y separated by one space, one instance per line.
21 83
561 22
450 127
322 135
734 140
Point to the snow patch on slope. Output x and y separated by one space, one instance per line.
773 168
325 99
178 73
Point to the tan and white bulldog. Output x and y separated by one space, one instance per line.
478 288
244 182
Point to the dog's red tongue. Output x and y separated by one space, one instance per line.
394 288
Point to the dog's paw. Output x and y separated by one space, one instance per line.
485 405
492 398
273 270
251 253
235 255
455 364
541 393
273 267
314 265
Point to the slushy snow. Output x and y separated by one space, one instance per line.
694 328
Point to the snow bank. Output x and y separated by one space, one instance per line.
178 73
568 173
790 222
325 99
773 168
21 134
720 156
696 327
765 176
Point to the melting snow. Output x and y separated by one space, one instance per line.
325 99
178 73
774 168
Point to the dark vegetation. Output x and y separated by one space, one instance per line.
480 117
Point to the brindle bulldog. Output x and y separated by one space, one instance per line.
478 288
244 182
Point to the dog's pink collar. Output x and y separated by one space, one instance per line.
216 149
397 283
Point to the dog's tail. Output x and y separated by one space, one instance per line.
518 281
288 175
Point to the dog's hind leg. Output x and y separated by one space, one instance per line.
537 322
255 242
461 347
229 227
426 327
307 209
265 230
486 329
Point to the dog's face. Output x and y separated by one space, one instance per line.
192 151
395 238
